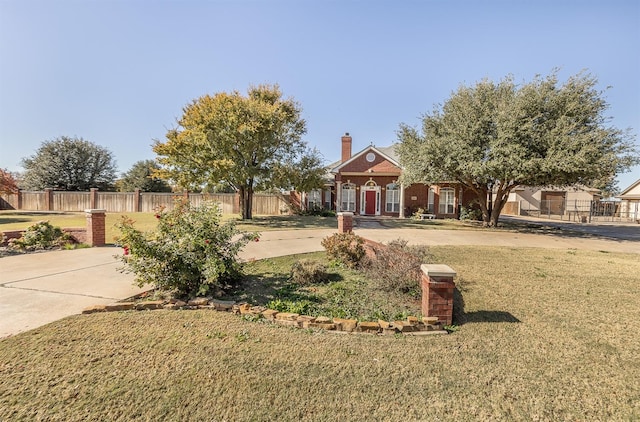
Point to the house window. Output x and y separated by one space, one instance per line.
314 199
446 201
393 198
349 197
431 201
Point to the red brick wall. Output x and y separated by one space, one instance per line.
379 165
345 222
96 227
437 298
78 234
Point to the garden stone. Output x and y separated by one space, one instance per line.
198 301
125 306
269 313
404 326
150 305
369 327
95 308
347 325
305 320
322 326
384 324
287 316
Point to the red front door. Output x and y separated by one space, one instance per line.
370 202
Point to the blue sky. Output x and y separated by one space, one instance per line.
118 73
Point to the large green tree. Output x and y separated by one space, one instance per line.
142 176
304 175
492 137
234 139
69 164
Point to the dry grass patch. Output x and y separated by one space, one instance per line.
545 335
346 293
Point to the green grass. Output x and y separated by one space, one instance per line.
346 294
19 220
543 335
444 224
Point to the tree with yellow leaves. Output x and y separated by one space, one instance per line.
236 140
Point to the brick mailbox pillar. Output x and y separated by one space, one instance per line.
96 227
345 222
437 292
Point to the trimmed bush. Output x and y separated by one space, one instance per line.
41 235
396 266
308 271
191 252
346 248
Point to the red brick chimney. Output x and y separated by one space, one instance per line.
346 147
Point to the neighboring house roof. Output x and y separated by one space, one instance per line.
388 153
632 192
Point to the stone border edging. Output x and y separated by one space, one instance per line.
412 326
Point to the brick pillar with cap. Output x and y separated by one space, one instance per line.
96 234
345 222
437 292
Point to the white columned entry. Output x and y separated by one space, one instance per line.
338 196
370 196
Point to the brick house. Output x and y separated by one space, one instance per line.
366 183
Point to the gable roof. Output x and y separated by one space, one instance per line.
388 153
626 194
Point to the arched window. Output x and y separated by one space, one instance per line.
349 197
431 202
314 199
445 205
393 198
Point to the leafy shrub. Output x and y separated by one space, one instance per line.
191 252
418 212
470 214
346 248
396 266
41 235
308 271
302 307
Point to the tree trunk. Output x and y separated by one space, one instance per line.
249 203
243 200
481 194
498 205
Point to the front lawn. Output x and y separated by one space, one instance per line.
346 294
542 335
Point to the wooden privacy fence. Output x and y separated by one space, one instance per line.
51 200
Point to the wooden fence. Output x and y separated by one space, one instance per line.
50 200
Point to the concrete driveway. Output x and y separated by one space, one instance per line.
609 230
39 288
36 289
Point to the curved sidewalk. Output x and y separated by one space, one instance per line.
36 289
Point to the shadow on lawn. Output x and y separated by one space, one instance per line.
285 222
572 230
11 220
460 317
261 289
